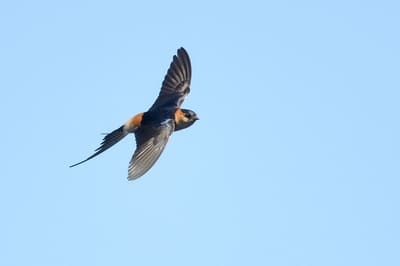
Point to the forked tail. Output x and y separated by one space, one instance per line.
108 141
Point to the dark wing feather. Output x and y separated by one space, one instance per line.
176 84
150 143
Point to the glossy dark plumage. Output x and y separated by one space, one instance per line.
153 128
176 84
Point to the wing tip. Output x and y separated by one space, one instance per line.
133 174
181 52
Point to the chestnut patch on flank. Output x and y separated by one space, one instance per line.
135 121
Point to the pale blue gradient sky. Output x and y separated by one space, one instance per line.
295 160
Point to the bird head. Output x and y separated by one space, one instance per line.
185 119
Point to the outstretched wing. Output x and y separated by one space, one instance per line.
176 84
150 143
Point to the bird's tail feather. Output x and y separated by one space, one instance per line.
108 141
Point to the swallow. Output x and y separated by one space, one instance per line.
153 128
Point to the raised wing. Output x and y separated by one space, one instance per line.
176 84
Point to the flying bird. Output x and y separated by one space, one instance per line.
153 128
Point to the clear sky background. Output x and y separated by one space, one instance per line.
295 160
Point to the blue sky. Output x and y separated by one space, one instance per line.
295 160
